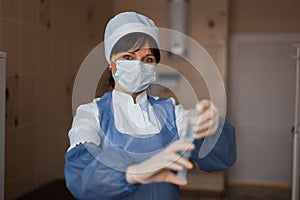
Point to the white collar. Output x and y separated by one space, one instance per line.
122 98
134 118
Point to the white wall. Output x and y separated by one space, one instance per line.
261 96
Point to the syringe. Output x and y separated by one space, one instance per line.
189 136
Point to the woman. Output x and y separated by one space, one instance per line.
126 144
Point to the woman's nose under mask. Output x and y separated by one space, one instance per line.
133 75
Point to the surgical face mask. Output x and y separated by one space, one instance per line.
133 75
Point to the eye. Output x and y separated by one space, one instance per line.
149 59
127 57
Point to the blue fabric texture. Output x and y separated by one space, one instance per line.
165 112
98 172
88 178
223 154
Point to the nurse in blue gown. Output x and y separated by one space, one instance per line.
127 144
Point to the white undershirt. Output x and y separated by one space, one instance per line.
136 119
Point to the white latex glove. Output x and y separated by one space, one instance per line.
157 168
208 119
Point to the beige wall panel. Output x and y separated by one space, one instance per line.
45 91
101 14
26 103
209 21
190 73
11 45
56 54
12 165
59 99
12 85
155 9
121 6
297 15
27 147
44 67
26 183
11 190
46 41
10 9
44 14
209 26
45 157
265 15
218 53
60 15
28 49
60 146
29 11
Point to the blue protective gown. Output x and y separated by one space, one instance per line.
98 172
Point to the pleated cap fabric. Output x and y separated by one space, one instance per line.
125 23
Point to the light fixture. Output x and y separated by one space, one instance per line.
178 10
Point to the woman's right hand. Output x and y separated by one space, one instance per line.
157 168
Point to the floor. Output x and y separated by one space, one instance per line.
57 190
247 193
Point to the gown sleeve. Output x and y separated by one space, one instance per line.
87 177
223 153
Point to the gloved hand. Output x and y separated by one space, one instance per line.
208 119
157 168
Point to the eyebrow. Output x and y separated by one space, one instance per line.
133 52
151 54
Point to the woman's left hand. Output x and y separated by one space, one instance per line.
208 119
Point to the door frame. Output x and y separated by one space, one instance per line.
2 123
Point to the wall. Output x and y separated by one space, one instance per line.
261 17
264 15
45 42
263 117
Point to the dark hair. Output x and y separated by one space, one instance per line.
131 41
